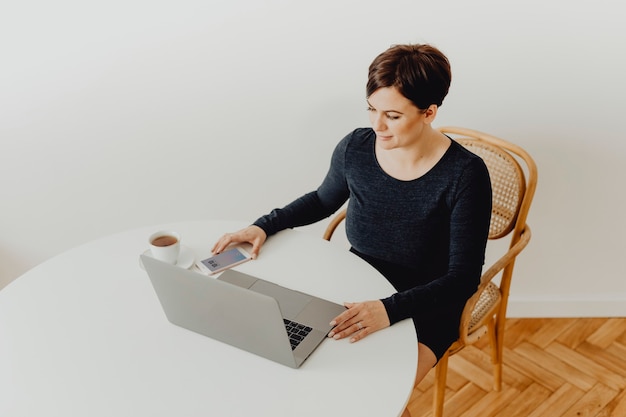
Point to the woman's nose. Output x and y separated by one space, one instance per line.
377 122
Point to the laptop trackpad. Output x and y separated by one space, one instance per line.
290 302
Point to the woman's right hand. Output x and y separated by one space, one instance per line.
251 234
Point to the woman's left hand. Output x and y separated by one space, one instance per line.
359 320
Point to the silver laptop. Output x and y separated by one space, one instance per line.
255 315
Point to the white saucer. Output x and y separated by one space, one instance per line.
186 258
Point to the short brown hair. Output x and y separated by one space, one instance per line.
420 72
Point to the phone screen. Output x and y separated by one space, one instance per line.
224 260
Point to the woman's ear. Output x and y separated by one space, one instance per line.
431 113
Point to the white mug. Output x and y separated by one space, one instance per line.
165 246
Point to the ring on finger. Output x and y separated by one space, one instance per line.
359 325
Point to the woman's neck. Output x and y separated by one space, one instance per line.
408 163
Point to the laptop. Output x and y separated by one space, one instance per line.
252 314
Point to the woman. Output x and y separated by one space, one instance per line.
419 205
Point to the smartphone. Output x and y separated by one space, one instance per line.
224 260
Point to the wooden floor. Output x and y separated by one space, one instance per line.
552 368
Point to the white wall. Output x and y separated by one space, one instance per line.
120 114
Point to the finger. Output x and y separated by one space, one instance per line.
223 243
350 329
216 246
345 316
254 252
345 324
258 241
359 335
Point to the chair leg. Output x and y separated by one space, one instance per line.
441 373
496 334
493 344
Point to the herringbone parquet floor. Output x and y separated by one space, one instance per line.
552 368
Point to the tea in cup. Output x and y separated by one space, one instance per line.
165 246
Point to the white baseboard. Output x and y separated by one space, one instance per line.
578 306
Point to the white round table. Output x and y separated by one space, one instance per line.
83 334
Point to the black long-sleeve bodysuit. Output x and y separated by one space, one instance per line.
426 236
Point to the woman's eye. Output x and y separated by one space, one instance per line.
370 109
392 117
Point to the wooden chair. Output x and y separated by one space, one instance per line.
513 176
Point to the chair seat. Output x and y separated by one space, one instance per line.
484 310
487 303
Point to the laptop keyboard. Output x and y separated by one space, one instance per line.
296 332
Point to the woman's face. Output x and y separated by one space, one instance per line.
396 120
